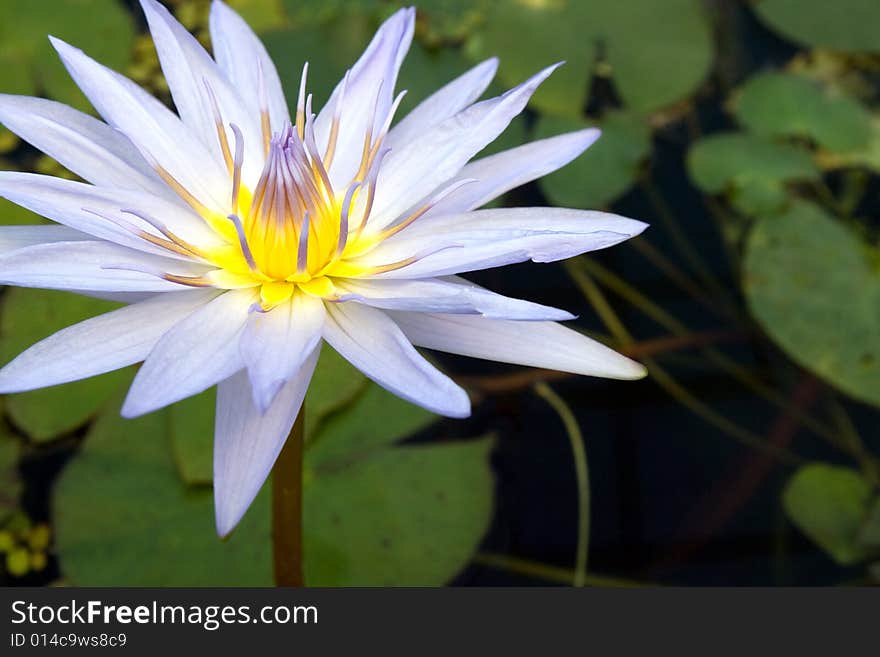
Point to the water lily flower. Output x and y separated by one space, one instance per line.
242 235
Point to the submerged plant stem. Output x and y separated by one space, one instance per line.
287 553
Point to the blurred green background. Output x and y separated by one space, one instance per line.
746 133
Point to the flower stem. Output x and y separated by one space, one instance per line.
287 509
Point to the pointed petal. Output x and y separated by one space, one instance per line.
18 237
444 296
443 103
159 135
370 341
100 344
417 168
86 146
195 354
78 205
508 169
243 58
247 442
491 238
188 68
276 343
375 72
537 344
92 266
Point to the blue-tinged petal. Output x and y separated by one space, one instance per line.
196 83
491 238
98 211
243 58
370 85
196 353
92 266
86 146
499 173
417 168
370 341
276 343
247 442
159 135
456 296
18 237
443 103
100 344
537 344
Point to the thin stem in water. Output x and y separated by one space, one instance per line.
287 509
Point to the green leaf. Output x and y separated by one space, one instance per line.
606 170
828 503
848 25
352 433
29 316
102 27
869 536
10 481
401 515
658 52
783 105
123 517
335 384
751 170
803 271
261 15
409 516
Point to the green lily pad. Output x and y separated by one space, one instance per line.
29 316
408 515
848 25
778 104
334 385
829 503
261 15
751 170
10 481
814 286
606 170
658 52
102 27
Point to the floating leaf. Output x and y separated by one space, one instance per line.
750 169
10 481
658 52
606 170
804 272
29 316
777 104
261 15
848 25
400 515
829 503
102 27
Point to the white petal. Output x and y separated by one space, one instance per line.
188 68
444 296
417 168
100 344
443 103
98 210
375 73
370 341
508 169
18 237
243 58
537 344
275 344
91 266
491 238
157 133
247 442
86 146
196 353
